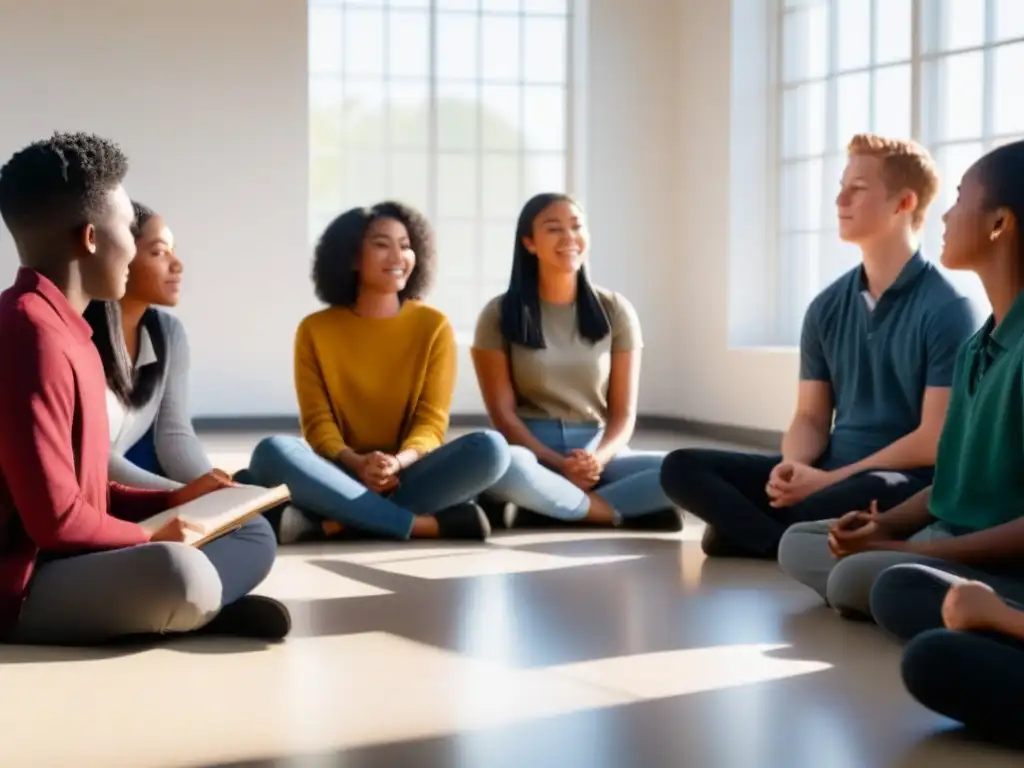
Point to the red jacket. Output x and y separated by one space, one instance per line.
55 497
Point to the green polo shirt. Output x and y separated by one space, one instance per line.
979 470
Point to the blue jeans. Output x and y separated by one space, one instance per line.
452 474
630 483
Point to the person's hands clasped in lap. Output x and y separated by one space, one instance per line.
791 482
860 531
378 471
583 469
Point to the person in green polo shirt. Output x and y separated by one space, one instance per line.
970 521
960 609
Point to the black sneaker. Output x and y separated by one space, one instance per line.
254 616
463 521
667 520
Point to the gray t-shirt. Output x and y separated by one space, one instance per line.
568 379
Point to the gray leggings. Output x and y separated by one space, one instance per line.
845 584
143 590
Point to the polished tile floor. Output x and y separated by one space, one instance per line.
580 649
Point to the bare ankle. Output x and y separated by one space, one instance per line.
600 510
425 527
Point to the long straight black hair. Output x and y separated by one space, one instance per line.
134 388
520 306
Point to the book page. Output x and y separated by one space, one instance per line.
220 511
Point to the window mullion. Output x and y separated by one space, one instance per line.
988 78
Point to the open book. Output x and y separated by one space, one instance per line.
221 511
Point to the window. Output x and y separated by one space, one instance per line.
458 107
940 71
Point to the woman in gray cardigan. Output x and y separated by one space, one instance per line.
145 358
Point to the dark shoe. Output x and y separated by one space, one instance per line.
463 521
254 616
664 520
494 510
715 545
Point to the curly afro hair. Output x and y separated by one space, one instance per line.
60 182
336 257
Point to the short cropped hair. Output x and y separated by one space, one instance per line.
59 182
905 165
335 278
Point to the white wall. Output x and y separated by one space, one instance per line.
209 100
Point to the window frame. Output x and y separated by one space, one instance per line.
927 53
570 155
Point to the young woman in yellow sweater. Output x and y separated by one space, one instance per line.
374 374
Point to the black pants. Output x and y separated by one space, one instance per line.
976 678
726 490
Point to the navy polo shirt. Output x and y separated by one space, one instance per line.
880 356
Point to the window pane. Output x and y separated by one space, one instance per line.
457 251
457 46
959 24
409 180
799 280
853 111
803 120
364 42
501 6
326 129
953 161
1009 19
893 31
326 182
544 173
409 44
457 116
502 118
832 176
544 50
805 44
365 121
854 19
893 101
366 178
500 175
960 85
1009 73
457 181
546 6
501 48
408 3
325 40
544 117
802 193
458 5
410 115
499 240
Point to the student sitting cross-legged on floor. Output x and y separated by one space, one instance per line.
972 669
75 566
971 521
558 361
145 358
375 374
876 353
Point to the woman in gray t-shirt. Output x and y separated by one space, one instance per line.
558 361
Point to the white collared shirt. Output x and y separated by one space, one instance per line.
178 450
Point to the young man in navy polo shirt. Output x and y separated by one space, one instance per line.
876 363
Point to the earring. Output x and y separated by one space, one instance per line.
993 236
